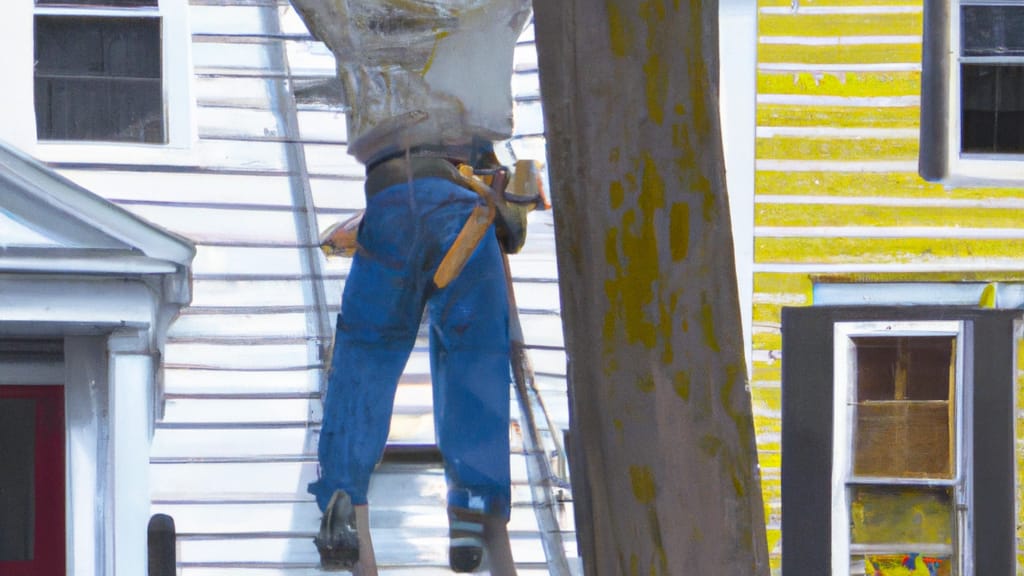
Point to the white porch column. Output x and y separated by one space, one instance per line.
131 381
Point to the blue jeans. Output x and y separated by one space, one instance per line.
405 233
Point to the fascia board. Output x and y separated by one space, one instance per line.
61 261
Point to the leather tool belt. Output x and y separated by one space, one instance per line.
506 204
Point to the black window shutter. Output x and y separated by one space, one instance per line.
994 471
807 393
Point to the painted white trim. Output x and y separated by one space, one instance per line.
842 426
853 10
179 104
851 101
737 91
882 166
835 132
888 232
1005 203
838 40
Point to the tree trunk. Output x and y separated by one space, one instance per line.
664 463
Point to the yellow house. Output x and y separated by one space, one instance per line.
844 220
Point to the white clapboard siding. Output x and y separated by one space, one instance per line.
244 365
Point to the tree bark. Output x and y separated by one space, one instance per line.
664 463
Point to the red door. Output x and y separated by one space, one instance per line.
32 532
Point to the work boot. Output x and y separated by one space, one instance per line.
338 540
465 539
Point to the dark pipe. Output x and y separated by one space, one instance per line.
162 546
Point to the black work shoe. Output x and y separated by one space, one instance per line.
338 541
466 539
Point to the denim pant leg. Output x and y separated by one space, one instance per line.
470 368
381 310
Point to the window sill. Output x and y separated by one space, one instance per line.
116 153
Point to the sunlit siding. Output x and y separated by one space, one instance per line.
837 190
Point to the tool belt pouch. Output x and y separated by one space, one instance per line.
523 194
341 238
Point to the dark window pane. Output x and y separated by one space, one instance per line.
99 79
992 108
17 479
992 30
95 46
98 3
903 414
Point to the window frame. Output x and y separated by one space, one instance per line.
844 384
808 365
940 156
177 100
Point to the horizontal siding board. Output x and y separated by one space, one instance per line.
250 357
228 189
852 24
216 56
848 84
891 250
235 326
838 116
243 92
245 261
237 410
803 148
240 443
879 216
228 19
840 54
338 194
331 159
191 381
243 293
225 122
323 126
232 225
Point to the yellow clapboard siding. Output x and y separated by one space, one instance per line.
779 282
900 185
839 54
839 116
849 84
767 372
840 24
882 250
765 398
767 341
766 424
818 148
767 313
866 215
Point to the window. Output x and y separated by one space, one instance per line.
32 481
972 101
898 440
897 465
99 77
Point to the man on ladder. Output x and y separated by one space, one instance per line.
427 86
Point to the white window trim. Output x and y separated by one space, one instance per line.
179 104
841 454
973 168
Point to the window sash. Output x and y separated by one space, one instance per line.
844 418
